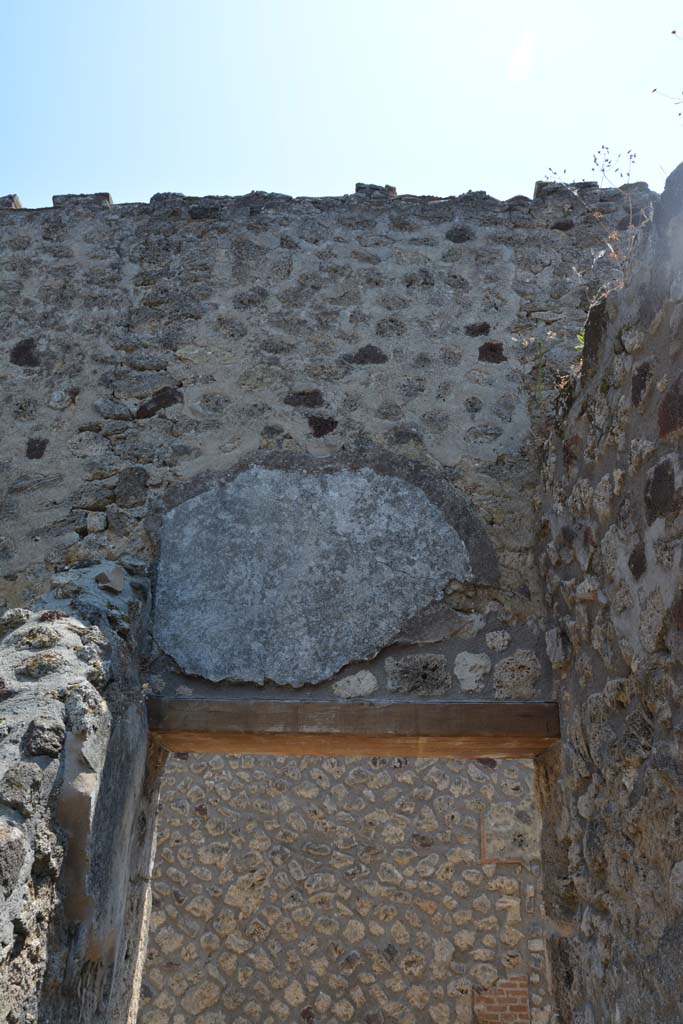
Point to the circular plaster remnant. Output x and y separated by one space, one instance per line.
287 575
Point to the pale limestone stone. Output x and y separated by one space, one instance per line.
361 684
512 907
464 939
294 994
510 936
485 974
497 640
470 670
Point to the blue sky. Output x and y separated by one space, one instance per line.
309 96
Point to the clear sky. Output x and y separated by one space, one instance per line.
308 97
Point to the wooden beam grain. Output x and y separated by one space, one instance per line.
353 728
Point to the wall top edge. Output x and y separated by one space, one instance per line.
203 205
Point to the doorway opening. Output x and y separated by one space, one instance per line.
365 890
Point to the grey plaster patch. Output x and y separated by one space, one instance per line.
288 575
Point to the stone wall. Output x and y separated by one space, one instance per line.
614 573
78 789
151 346
153 352
361 890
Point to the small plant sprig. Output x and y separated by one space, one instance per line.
672 99
610 167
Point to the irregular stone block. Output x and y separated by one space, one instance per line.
515 677
44 736
362 684
421 674
470 669
13 850
19 787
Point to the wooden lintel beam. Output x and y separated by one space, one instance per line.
363 728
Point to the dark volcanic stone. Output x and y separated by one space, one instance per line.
161 399
492 352
593 333
368 354
677 611
35 448
476 330
459 235
639 382
671 409
637 561
310 399
660 490
24 353
321 425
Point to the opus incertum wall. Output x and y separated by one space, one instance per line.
370 375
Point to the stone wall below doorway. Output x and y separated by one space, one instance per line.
365 891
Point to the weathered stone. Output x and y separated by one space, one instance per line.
25 353
361 684
366 569
558 647
492 352
13 618
110 409
497 640
459 234
308 399
131 488
35 447
470 670
19 787
660 490
477 329
39 665
516 676
164 398
670 415
13 852
322 425
420 674
368 355
639 382
44 737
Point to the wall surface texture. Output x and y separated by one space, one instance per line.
614 571
166 366
153 350
346 889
